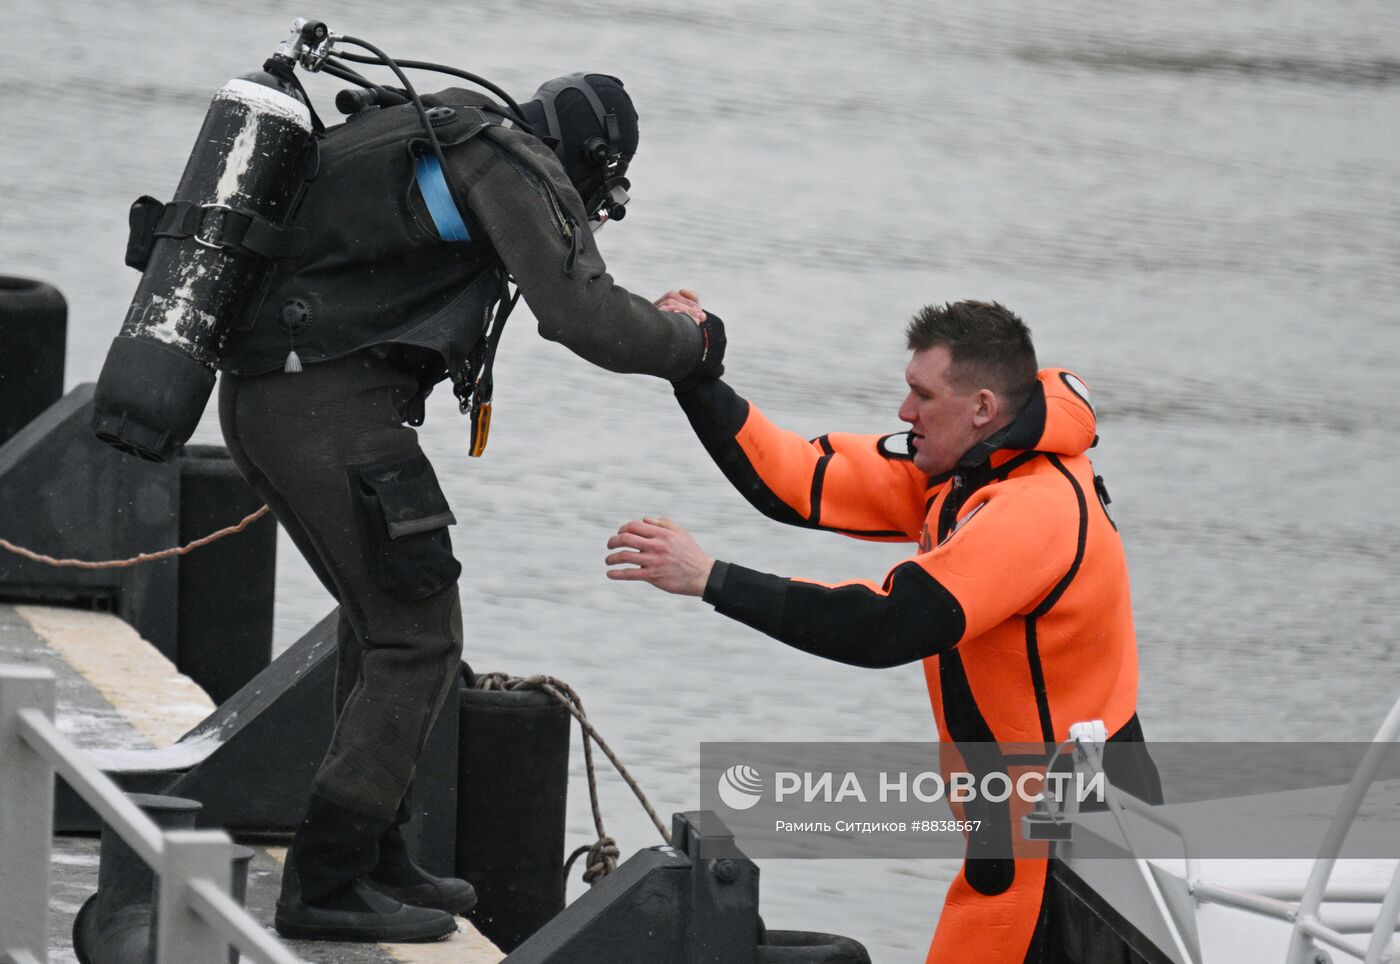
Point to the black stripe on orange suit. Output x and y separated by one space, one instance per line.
1016 601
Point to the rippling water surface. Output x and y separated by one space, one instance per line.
1194 206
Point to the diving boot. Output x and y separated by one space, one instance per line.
398 876
357 912
324 894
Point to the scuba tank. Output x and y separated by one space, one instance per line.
205 257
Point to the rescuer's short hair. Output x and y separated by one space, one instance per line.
990 347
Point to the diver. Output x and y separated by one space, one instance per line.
405 260
334 276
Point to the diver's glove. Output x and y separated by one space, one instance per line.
711 363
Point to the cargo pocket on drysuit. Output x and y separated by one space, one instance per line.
404 518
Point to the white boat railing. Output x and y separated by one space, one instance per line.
197 918
1299 906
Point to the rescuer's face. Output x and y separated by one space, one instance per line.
945 423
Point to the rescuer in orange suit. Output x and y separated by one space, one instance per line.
1016 600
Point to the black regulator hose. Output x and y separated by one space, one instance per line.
440 68
341 72
389 62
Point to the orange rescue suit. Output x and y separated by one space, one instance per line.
1016 601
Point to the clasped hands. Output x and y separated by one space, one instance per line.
653 549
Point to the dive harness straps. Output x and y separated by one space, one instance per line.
438 197
212 225
473 386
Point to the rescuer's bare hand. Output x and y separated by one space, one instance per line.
660 552
683 301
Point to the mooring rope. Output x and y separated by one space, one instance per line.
602 855
134 560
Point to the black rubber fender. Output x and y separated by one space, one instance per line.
810 947
512 804
33 337
25 297
24 300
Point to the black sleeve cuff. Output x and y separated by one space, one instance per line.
710 365
751 597
715 584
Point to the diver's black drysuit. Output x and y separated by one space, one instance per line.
378 308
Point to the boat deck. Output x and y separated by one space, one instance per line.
1096 868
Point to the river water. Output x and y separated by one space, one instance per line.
1193 205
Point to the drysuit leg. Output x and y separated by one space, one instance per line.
998 911
314 445
1002 928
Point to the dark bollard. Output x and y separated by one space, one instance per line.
117 925
114 925
695 901
238 886
224 602
33 336
512 779
238 890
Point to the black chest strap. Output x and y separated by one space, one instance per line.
474 385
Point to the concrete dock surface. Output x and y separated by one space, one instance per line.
117 694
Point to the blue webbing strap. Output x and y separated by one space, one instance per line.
446 218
